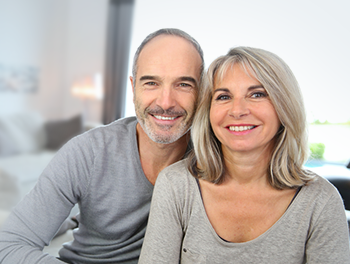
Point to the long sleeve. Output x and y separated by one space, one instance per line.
36 219
328 240
101 171
163 239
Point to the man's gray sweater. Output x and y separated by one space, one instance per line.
101 171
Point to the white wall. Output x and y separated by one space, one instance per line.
22 39
53 60
311 36
65 39
85 49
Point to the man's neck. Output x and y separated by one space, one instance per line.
155 157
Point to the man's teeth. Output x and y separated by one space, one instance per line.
165 117
240 128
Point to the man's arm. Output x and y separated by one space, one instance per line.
36 219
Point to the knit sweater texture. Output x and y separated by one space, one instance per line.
101 171
312 230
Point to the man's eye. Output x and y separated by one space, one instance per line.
184 85
150 83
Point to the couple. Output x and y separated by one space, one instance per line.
241 195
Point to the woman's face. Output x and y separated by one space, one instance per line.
242 115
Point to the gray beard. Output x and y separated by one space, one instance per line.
161 138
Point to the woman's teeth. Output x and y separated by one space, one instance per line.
240 128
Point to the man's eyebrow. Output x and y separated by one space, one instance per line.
182 78
188 79
149 77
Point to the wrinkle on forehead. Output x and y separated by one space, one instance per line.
169 55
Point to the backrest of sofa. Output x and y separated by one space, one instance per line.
22 132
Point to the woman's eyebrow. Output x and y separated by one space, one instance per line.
250 88
255 87
221 90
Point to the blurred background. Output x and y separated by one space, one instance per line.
64 66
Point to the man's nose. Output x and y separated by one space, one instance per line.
166 98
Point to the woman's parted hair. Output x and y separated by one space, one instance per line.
290 151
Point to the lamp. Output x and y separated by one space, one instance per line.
88 88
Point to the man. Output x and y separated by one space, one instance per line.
110 171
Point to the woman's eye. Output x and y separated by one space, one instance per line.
259 95
184 85
222 97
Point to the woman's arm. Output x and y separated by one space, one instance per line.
328 240
164 232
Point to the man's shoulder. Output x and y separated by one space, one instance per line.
122 127
122 123
119 132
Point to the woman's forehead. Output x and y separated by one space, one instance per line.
223 69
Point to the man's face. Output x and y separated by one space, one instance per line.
165 87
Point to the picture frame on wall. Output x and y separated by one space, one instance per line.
19 79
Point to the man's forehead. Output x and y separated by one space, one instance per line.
169 55
164 39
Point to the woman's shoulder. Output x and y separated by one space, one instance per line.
177 175
320 186
319 192
180 166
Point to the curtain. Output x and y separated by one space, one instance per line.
117 58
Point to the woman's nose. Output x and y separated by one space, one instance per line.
239 108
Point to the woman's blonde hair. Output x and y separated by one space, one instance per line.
290 150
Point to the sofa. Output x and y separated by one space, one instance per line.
27 144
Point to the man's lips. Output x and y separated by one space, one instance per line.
166 118
165 115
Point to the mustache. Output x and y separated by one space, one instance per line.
160 111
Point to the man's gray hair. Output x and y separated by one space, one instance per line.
171 32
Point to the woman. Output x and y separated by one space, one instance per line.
243 196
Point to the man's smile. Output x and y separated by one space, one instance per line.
165 117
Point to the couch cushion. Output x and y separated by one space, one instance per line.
8 146
21 133
3 216
20 173
9 191
59 132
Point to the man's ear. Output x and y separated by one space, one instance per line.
133 89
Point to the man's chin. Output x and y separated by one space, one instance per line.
163 134
165 138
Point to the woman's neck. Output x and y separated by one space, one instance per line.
247 167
